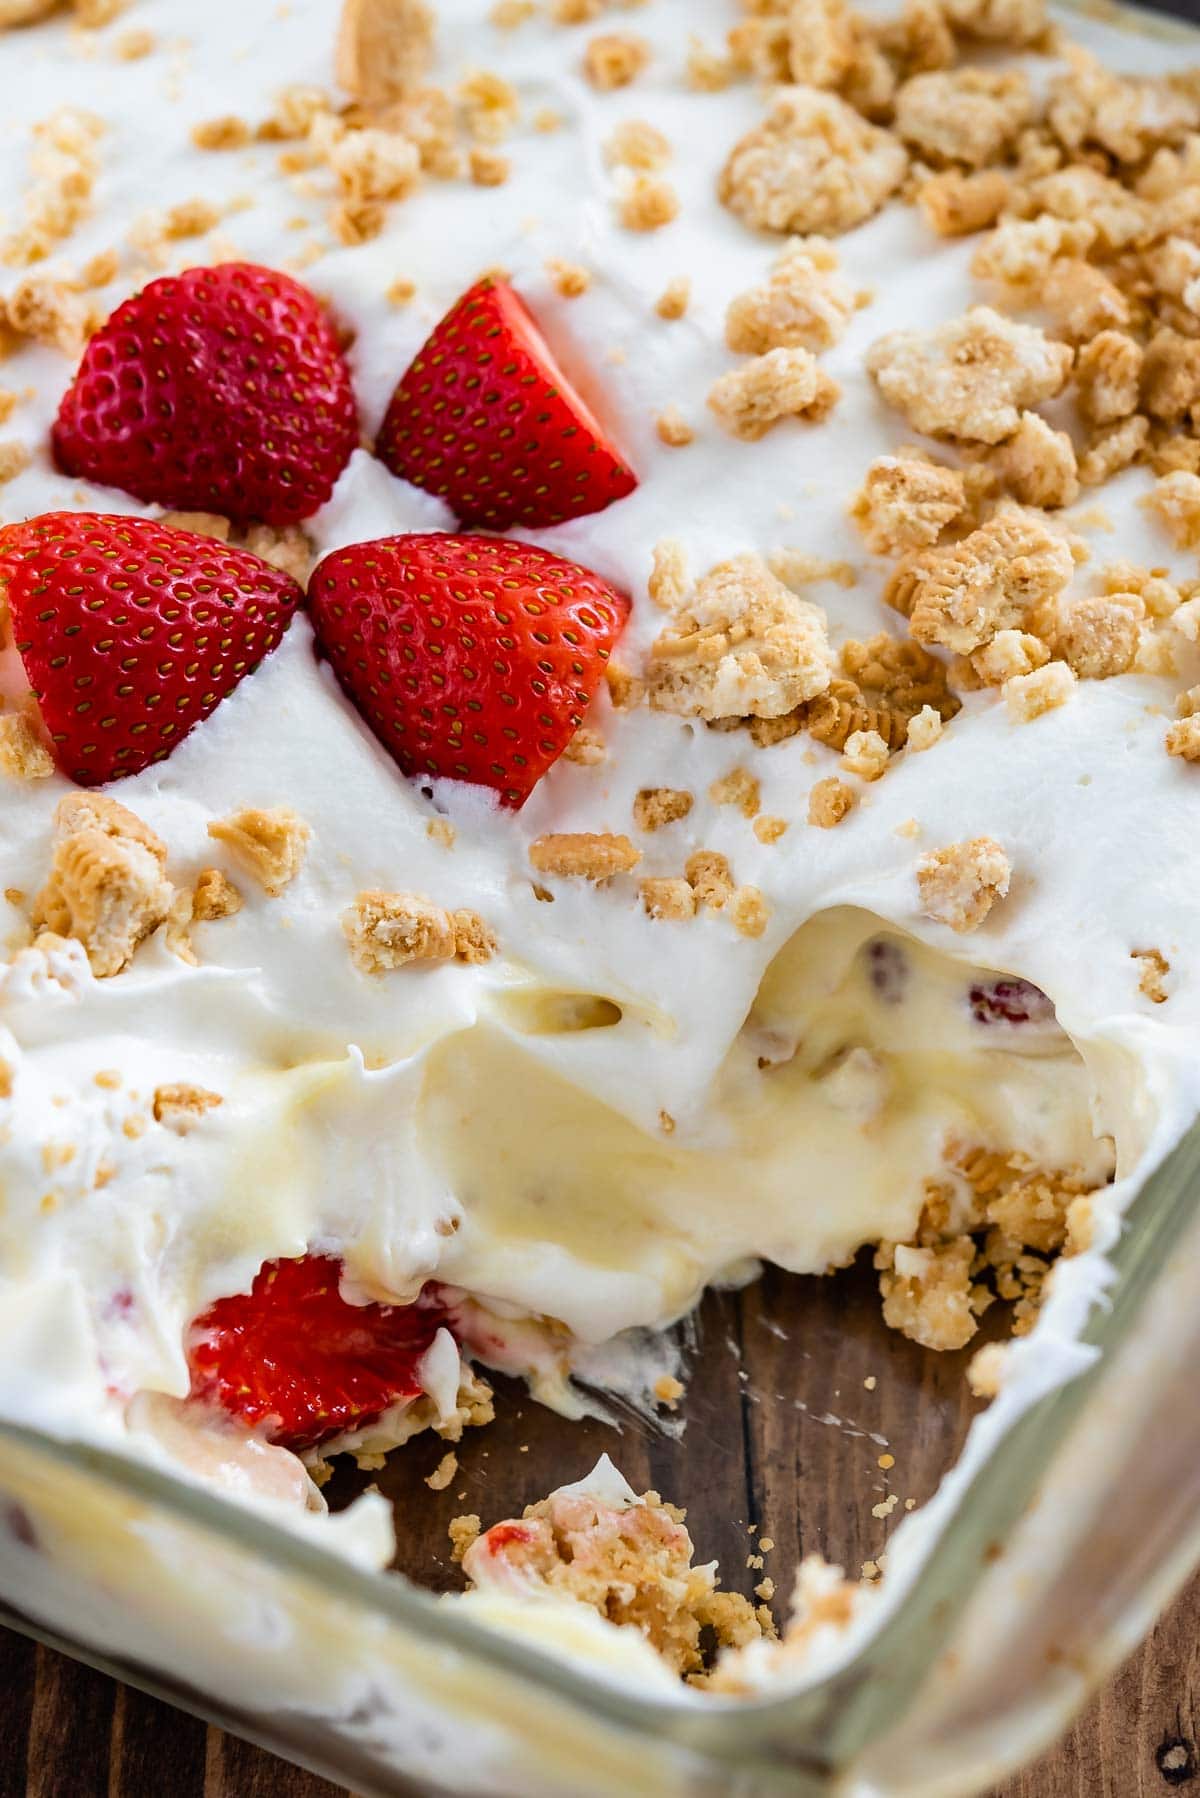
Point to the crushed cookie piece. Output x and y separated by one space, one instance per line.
671 898
673 429
288 548
624 689
956 205
506 15
615 59
1112 449
740 644
1037 464
1175 500
928 1292
225 133
474 941
749 912
961 595
1153 967
214 896
1090 107
384 48
15 458
906 502
1009 654
707 71
270 843
636 144
806 303
1171 378
371 166
1030 696
924 729
442 832
710 877
106 886
1015 23
1098 637
204 524
390 930
401 291
647 204
491 104
668 1390
970 378
672 303
588 855
1108 372
822 43
1183 738
866 754
488 167
180 1106
23 754
829 802
1020 253
797 568
749 401
656 806
463 1531
769 829
739 787
569 279
961 883
813 165
1081 301
48 311
443 1473
970 116
586 748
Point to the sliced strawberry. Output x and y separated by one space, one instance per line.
486 419
130 633
295 1359
219 390
470 657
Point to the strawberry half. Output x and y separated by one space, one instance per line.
219 390
293 1358
469 657
130 633
486 419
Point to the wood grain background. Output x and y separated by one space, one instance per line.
783 1433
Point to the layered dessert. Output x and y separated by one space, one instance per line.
600 679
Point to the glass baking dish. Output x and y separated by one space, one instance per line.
1038 1564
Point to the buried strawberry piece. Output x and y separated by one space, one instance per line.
473 658
130 633
296 1360
218 390
486 419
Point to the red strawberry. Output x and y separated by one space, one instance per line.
294 1358
472 657
486 419
131 633
219 390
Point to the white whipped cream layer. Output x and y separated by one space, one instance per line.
322 1069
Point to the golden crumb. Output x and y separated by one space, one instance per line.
749 912
740 644
269 843
1183 738
586 748
491 104
924 729
672 303
1099 637
443 1473
969 116
710 877
214 896
1108 373
390 930
180 1106
1153 967
23 754
798 568
667 898
668 1390
474 941
955 205
506 15
865 754
805 302
636 144
384 48
906 502
740 788
768 828
615 59
961 883
1175 501
1009 654
1112 449
401 291
442 832
985 1370
673 429
488 167
656 806
813 165
588 855
959 596
1029 696
463 1531
707 71
14 460
1037 464
204 524
225 133
569 279
134 46
970 378
750 400
830 801
647 204
106 886
49 312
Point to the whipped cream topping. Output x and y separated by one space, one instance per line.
343 1094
